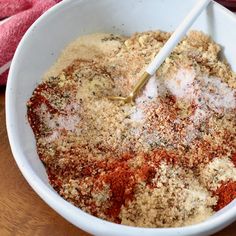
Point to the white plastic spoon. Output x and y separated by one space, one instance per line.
166 50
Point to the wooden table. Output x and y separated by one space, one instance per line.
22 212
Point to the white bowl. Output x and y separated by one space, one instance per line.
41 46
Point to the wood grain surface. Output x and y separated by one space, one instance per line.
22 212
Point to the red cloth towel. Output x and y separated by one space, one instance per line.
23 13
9 7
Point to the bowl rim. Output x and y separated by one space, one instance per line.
73 214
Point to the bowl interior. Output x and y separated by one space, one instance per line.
43 43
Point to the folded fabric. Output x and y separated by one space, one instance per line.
11 7
12 29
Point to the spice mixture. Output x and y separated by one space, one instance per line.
167 160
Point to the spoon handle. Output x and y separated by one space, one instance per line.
177 36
